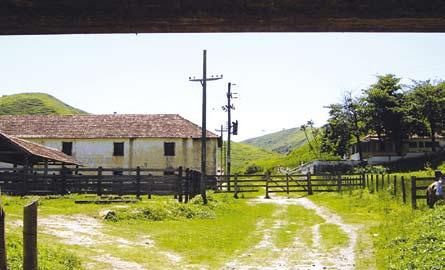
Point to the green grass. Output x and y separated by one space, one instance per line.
245 156
401 238
332 236
298 220
34 103
50 256
251 159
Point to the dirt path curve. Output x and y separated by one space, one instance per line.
298 255
88 232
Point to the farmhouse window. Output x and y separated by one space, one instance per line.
118 149
67 148
169 149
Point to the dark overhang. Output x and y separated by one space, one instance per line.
178 16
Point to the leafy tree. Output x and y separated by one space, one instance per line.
337 134
344 124
428 105
355 112
384 110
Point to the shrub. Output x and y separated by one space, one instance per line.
170 210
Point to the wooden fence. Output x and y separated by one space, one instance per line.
184 184
285 183
401 187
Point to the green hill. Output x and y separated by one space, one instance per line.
281 142
244 156
251 159
34 103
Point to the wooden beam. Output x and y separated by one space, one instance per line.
167 16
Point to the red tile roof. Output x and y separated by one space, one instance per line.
101 126
40 151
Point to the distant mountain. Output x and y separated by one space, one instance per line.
35 103
282 142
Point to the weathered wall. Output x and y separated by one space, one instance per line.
143 152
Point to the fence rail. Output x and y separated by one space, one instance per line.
185 184
286 183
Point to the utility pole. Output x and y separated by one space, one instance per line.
203 82
228 108
222 162
229 127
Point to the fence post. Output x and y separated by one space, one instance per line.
3 260
372 183
99 181
138 182
30 236
150 187
383 181
62 172
395 185
180 185
228 183
413 192
287 184
192 185
402 179
339 183
187 191
54 183
309 183
25 180
235 195
267 186
377 183
363 178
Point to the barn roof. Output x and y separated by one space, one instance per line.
101 126
37 152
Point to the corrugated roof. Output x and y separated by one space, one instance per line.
39 150
101 126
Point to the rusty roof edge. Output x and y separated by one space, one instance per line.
12 139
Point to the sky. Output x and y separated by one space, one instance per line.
282 79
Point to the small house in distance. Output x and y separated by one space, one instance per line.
156 141
377 151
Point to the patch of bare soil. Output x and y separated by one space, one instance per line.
299 255
88 232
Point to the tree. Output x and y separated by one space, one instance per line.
315 147
383 105
344 124
336 136
354 111
428 103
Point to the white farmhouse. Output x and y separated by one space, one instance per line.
157 141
